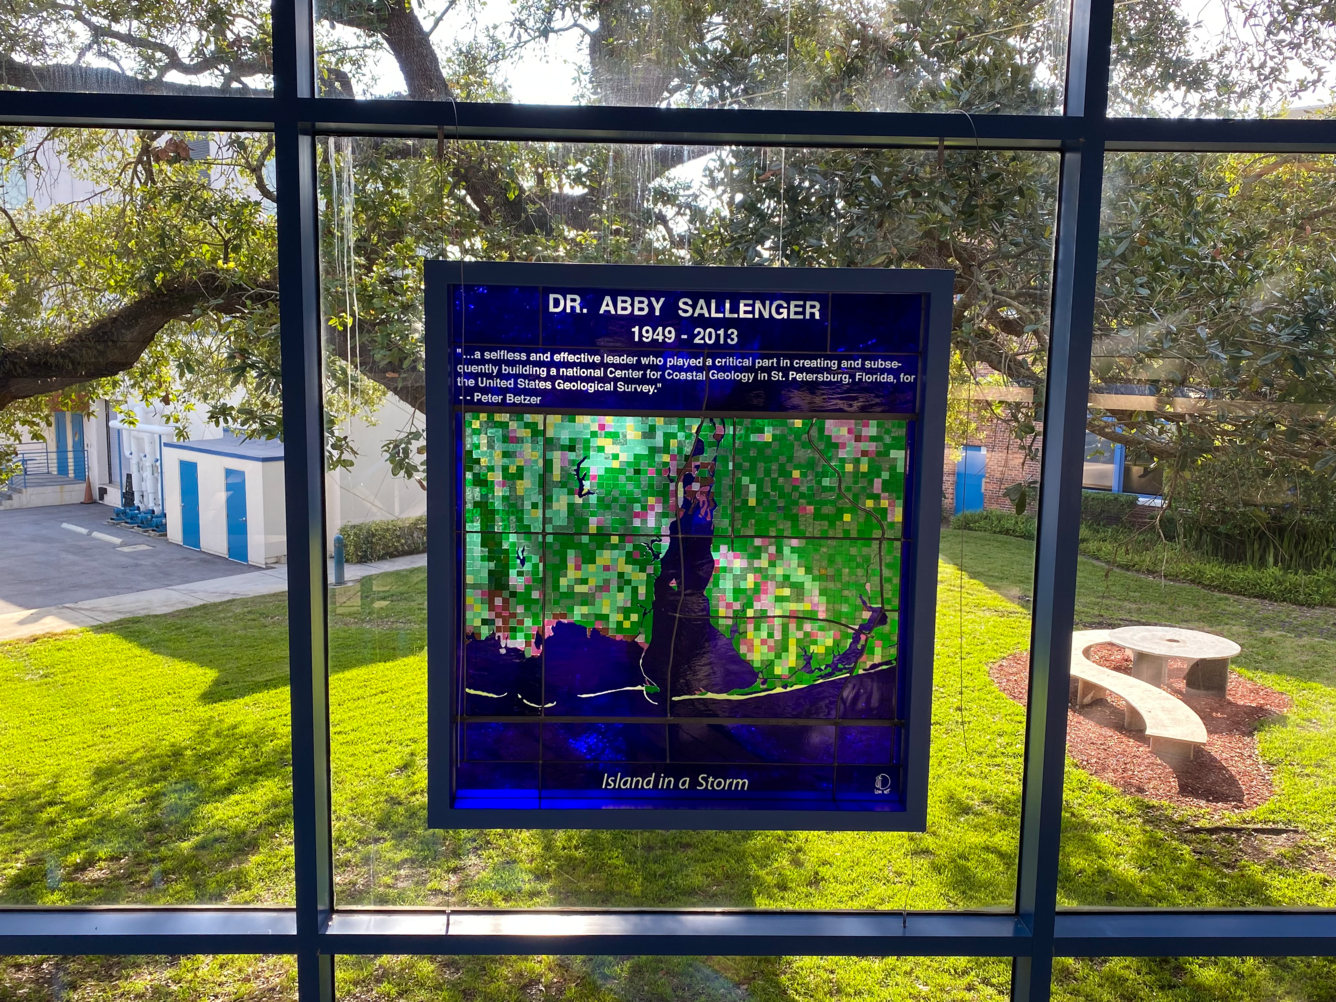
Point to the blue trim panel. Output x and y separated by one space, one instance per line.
61 423
238 544
189 476
187 447
970 471
78 447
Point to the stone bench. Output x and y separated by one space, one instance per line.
1173 729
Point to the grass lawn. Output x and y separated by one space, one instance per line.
147 761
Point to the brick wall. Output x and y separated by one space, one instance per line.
1005 464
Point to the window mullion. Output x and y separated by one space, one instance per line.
303 440
1064 411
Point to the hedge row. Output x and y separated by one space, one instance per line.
1101 508
1146 554
391 537
1313 588
999 523
1107 508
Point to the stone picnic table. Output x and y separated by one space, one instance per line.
1153 646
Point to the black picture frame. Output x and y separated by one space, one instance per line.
925 447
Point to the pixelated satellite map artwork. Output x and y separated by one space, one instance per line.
651 590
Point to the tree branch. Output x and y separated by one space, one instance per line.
93 79
114 343
405 380
1157 448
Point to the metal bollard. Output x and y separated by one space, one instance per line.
338 558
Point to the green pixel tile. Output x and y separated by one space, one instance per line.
502 472
503 586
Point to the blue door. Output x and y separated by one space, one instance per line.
190 504
62 445
77 446
236 515
969 479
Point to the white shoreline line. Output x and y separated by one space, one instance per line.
771 692
606 692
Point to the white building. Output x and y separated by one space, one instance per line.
222 473
221 493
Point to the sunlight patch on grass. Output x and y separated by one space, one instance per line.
147 760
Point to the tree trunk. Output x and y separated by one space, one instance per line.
414 53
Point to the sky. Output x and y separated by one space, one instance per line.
546 72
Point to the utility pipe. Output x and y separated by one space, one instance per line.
148 429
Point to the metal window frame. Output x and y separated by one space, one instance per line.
1036 930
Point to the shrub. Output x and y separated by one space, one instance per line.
1317 588
10 466
1097 508
1143 552
1257 536
1107 508
1000 523
1249 510
391 537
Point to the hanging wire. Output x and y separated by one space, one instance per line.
960 595
969 409
783 150
350 246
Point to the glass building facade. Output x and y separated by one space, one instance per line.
215 218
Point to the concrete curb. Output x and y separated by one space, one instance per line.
156 601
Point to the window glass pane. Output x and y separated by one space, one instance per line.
143 631
201 47
957 979
830 55
58 979
1222 58
1220 979
387 203
1201 752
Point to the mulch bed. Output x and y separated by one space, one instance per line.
1226 775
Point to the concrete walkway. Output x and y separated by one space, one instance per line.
15 625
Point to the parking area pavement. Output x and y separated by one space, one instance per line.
63 567
47 564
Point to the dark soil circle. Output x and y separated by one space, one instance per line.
1226 775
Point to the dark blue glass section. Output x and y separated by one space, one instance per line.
626 784
590 674
866 745
876 323
500 681
820 700
495 742
497 314
778 743
674 380
637 319
871 695
483 777
604 743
